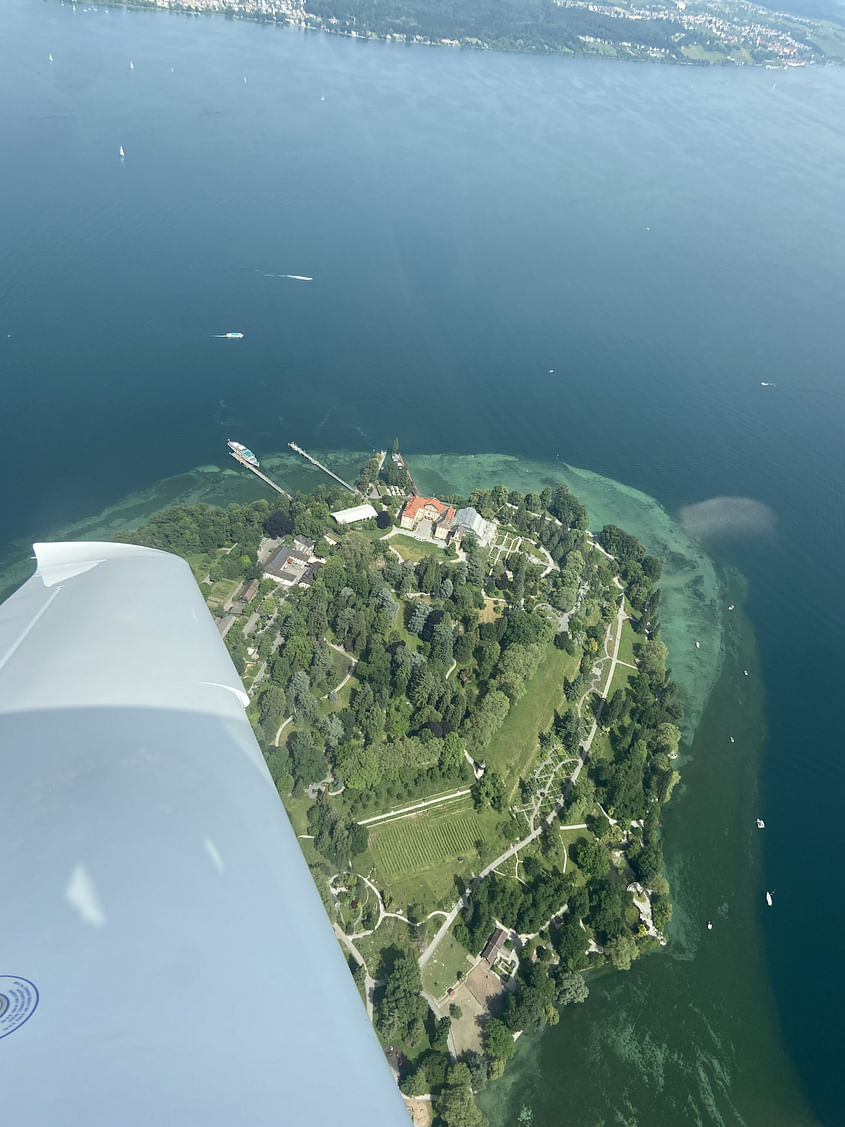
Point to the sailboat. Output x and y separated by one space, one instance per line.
769 899
50 56
761 825
122 153
131 65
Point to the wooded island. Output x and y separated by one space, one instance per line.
472 741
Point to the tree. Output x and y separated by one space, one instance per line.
456 1012
383 519
451 754
591 857
308 764
401 1006
278 524
570 988
455 1105
489 790
498 1040
271 707
477 1066
482 724
418 617
622 951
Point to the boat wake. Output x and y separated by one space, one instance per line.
293 277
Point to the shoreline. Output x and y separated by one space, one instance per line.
689 569
617 1058
592 48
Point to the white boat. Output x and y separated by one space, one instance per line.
733 741
764 384
769 899
761 825
242 452
229 336
122 153
50 56
731 607
709 926
745 672
131 65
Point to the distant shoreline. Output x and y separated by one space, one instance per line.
697 33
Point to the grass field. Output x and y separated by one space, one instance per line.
513 747
621 675
626 646
424 841
414 550
441 971
491 611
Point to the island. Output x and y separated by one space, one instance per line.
464 705
693 32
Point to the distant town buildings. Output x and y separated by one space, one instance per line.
428 516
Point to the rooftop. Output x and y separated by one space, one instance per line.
356 513
415 505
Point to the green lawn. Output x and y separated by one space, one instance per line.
414 550
626 646
569 837
621 676
435 888
297 811
441 971
342 664
513 747
601 748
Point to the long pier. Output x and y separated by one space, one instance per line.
254 469
320 466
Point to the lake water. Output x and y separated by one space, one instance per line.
538 260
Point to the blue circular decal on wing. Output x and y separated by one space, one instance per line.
18 1002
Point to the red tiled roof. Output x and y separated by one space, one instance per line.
415 505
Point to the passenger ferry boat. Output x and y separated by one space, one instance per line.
242 452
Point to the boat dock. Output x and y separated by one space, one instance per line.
254 469
320 466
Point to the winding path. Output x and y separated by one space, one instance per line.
325 696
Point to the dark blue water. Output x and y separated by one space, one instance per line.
664 239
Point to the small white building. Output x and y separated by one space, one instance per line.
356 513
